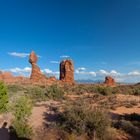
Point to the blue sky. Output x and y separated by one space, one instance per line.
101 36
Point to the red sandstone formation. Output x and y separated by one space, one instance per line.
8 78
36 74
67 71
109 81
52 78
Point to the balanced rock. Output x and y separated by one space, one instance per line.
67 71
109 81
36 74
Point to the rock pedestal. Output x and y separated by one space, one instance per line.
67 71
109 81
36 74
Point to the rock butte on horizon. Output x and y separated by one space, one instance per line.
109 81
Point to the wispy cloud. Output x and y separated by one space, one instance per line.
20 70
16 54
54 62
20 55
27 71
80 70
64 56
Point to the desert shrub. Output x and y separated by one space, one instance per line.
103 90
36 93
125 89
14 88
3 98
79 89
111 134
82 119
23 129
55 92
136 92
21 112
70 136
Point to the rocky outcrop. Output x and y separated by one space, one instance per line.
8 78
67 71
52 78
36 74
109 81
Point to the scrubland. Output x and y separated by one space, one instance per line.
72 112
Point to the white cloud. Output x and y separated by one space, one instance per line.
48 71
54 62
134 73
64 56
19 70
92 73
114 73
20 55
102 72
16 54
80 70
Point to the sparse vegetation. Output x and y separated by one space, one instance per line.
82 119
78 112
3 98
55 92
21 111
14 88
36 93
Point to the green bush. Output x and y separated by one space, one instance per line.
136 92
79 89
21 112
36 93
3 98
104 90
14 88
55 92
82 119
23 129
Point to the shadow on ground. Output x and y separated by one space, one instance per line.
9 133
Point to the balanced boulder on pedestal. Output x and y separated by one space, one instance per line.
36 74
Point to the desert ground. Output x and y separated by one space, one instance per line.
76 112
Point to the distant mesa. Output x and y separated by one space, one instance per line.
67 71
109 81
36 74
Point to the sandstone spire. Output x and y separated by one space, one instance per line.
67 71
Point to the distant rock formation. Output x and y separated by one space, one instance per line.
109 81
67 71
52 78
8 78
36 74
